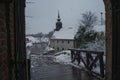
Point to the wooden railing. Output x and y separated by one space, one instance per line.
90 59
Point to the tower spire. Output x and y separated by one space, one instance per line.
58 23
58 16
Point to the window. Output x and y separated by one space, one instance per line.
57 48
62 48
53 40
62 41
68 41
53 47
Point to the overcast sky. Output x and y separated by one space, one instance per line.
41 15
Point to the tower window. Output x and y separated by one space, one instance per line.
68 41
62 41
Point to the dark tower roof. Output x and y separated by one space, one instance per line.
58 23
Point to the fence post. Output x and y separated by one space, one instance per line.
87 60
72 55
101 65
78 57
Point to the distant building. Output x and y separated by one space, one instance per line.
63 37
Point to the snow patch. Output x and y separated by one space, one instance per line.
29 44
49 48
63 58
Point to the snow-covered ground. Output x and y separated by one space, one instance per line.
63 57
49 48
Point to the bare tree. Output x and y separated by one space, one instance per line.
85 32
88 20
50 34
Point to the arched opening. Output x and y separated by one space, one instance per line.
99 12
12 40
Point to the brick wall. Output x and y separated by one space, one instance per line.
12 40
7 67
3 45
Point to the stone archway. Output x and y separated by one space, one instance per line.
112 40
112 8
108 39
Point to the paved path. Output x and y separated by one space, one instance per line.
46 69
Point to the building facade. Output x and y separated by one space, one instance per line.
63 37
62 44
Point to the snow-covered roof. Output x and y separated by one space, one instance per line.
44 39
49 49
99 28
32 39
65 33
29 44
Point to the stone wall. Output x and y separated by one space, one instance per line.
7 39
6 46
108 39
